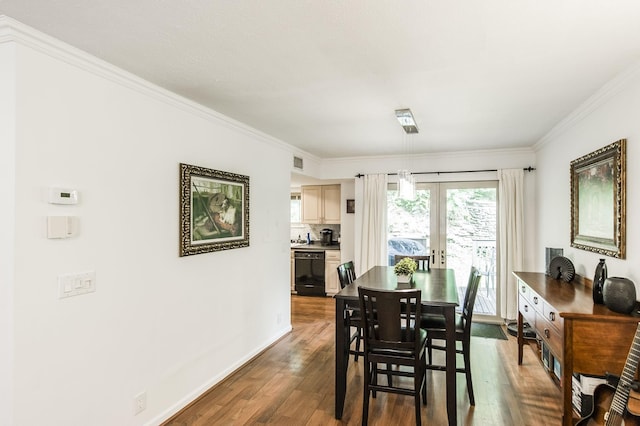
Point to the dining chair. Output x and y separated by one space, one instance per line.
392 337
422 261
347 275
435 327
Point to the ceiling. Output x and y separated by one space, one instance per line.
327 75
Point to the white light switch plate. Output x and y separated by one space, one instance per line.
76 284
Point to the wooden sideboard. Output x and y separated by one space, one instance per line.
584 337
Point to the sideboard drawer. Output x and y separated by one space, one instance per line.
523 290
527 311
536 300
552 315
550 335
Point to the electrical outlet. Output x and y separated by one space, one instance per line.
139 403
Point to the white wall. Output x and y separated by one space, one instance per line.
7 232
347 222
158 323
610 115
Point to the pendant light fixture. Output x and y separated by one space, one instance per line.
406 181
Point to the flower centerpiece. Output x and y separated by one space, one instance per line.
404 269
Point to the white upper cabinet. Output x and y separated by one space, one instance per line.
321 204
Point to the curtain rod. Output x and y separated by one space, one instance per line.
526 169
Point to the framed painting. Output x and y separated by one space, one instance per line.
351 206
598 201
214 210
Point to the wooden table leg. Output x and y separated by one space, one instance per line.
520 337
449 317
342 357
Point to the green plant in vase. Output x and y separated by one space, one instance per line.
405 268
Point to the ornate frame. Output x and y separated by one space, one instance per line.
214 210
598 201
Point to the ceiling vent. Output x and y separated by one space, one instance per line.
297 163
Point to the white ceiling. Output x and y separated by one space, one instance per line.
327 75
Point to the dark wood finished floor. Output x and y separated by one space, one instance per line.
292 383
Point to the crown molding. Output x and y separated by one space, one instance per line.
595 101
17 32
436 155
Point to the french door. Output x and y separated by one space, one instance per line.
456 224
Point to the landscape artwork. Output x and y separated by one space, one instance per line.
598 216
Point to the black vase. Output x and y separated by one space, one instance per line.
598 282
619 294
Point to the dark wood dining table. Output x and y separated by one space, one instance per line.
439 295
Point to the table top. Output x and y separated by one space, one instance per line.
438 286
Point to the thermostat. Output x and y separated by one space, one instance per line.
63 196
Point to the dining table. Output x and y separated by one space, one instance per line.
439 295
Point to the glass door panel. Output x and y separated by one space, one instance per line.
410 222
455 223
468 231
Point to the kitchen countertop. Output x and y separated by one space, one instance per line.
312 246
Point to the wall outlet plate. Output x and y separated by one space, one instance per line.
139 403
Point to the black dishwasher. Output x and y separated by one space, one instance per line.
309 270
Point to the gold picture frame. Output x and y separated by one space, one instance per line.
598 201
214 210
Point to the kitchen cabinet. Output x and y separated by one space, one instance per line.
321 204
331 263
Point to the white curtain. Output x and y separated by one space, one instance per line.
371 247
511 238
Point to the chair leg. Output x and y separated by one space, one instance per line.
429 350
373 377
358 337
467 371
417 390
365 400
417 403
424 384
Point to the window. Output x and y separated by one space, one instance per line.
296 208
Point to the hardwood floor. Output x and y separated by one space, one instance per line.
292 383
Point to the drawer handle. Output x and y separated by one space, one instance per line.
546 333
526 308
523 289
535 300
552 316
